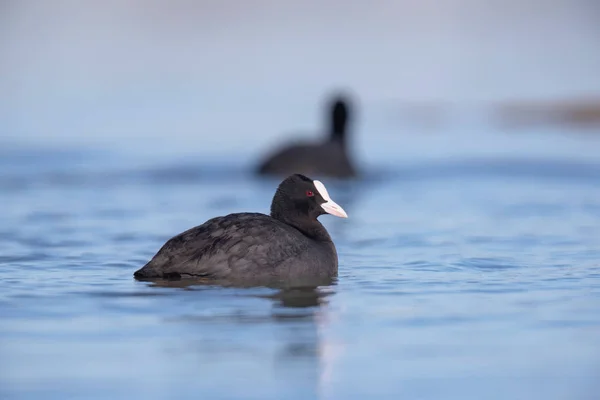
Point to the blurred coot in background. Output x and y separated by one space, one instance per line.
327 157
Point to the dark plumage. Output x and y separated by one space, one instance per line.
327 158
289 246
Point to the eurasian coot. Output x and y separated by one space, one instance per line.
290 245
327 158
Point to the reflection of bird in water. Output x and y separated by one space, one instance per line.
297 328
327 158
309 354
300 297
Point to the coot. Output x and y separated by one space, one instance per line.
290 245
328 158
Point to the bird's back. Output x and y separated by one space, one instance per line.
326 159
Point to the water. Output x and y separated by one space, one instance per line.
459 278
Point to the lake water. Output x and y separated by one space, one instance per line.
460 278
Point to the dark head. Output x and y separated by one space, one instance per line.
339 115
299 200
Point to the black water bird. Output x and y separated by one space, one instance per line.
329 157
289 246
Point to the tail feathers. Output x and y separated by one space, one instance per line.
147 271
264 167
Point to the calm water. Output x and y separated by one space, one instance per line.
460 278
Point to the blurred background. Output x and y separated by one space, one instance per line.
469 264
126 73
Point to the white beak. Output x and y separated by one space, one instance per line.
330 206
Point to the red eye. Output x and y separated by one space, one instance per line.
309 193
